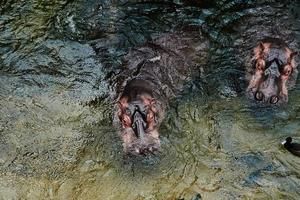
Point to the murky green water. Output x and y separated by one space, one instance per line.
58 64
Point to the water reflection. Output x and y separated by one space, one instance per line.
58 64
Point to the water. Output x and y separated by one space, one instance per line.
59 64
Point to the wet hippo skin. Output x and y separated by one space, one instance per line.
139 112
150 77
274 71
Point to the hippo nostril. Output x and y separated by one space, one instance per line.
274 99
259 96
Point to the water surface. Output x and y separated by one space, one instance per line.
58 66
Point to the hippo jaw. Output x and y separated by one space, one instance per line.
134 145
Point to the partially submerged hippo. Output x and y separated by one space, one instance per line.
150 77
140 113
273 72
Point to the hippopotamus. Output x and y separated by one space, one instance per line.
140 112
273 71
151 75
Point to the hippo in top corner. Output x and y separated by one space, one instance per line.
274 70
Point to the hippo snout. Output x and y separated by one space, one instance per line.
144 146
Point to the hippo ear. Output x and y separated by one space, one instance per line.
122 103
259 51
292 55
262 49
261 46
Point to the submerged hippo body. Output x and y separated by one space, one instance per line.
150 77
274 71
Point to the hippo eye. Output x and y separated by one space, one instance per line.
288 71
151 118
126 121
285 70
259 96
274 99
127 112
260 64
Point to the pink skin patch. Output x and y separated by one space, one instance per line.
256 80
287 71
259 54
131 143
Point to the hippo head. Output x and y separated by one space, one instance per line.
273 66
139 119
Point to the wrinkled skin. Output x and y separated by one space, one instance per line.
138 113
274 71
150 77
